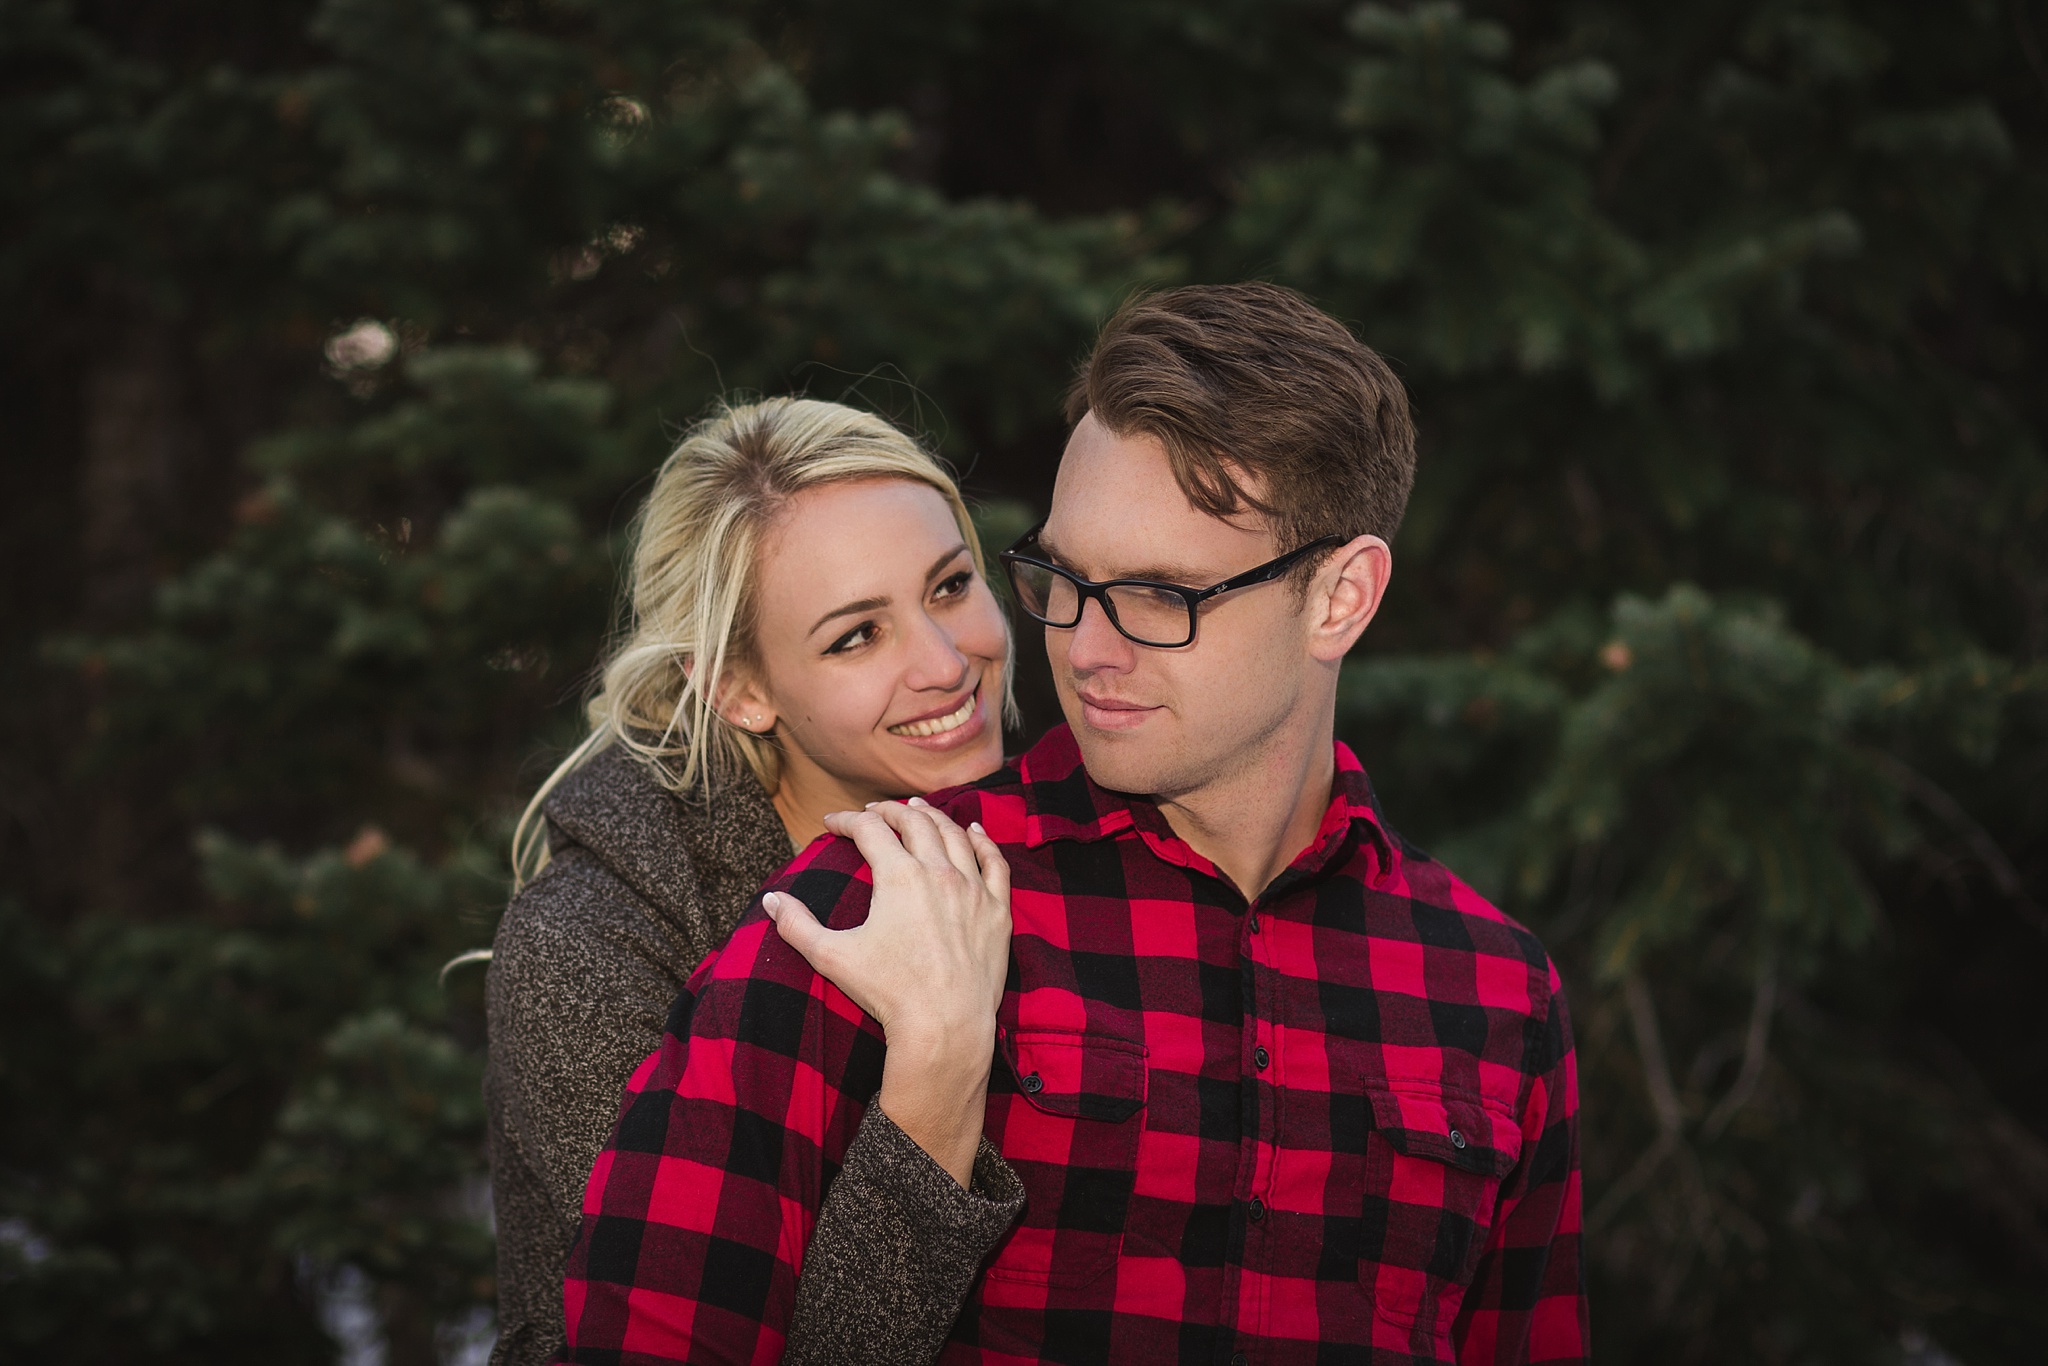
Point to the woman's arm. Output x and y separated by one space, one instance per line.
898 1245
928 964
584 974
923 1197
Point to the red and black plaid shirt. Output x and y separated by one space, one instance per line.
1338 1124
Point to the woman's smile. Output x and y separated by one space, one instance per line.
962 724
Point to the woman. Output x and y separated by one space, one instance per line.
811 633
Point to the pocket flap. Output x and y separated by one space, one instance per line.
1078 1075
1449 1126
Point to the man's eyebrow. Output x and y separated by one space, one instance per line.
1162 573
877 604
1169 573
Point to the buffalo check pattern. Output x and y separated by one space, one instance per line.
1336 1124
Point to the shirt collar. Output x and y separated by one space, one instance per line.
1061 802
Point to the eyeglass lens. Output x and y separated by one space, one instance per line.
1147 615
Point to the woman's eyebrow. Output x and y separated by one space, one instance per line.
877 604
850 609
939 565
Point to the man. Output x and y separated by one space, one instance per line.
1279 1087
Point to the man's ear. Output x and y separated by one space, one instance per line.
1346 595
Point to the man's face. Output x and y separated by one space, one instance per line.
1168 723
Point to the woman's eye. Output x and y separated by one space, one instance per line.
954 585
852 640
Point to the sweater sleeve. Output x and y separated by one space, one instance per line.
897 1248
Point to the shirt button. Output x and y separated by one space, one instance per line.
1457 1140
1255 923
1032 1086
1258 1209
1240 1360
1260 1058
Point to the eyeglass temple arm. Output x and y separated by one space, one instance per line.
1272 569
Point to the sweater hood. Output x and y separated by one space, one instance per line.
670 850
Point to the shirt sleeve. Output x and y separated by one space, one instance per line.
700 1208
1527 1302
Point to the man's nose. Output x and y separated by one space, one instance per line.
1096 643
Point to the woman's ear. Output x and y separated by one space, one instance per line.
742 702
1347 595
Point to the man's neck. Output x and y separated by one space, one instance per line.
1251 824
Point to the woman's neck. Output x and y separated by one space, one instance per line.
806 795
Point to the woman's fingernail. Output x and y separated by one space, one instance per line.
919 801
975 826
771 903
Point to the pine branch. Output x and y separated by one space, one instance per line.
1930 795
1755 1051
1642 1011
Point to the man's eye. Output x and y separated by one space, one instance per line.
954 585
852 640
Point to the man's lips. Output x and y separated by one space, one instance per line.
1112 713
1113 704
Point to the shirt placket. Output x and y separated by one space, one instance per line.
1258 1065
1247 1275
1265 1065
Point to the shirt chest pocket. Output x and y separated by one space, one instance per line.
1067 1112
1435 1159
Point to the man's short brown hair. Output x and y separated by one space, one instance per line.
1263 401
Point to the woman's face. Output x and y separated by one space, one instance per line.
881 652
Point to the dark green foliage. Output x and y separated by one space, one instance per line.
1712 814
340 338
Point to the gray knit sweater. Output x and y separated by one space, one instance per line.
587 961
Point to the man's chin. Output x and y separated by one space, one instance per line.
1122 762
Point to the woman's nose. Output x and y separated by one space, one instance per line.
937 661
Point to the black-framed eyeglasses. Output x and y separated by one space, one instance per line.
1144 610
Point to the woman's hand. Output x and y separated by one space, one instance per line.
929 964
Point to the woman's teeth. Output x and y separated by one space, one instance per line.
939 725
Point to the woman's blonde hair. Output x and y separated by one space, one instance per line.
692 600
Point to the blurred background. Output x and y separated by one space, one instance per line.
342 338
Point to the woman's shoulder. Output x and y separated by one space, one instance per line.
635 865
578 922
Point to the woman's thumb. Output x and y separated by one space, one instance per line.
795 923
